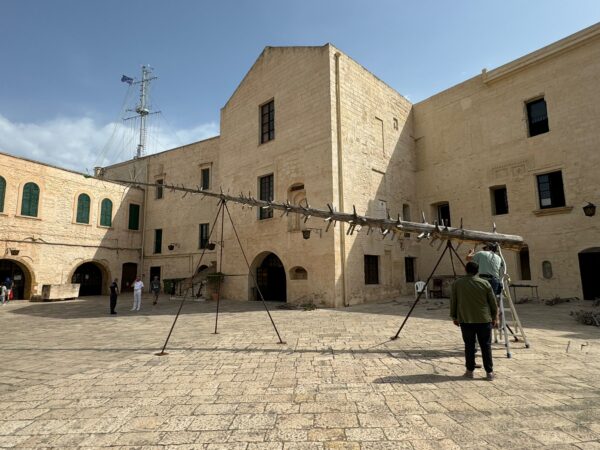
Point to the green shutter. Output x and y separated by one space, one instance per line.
83 209
106 213
2 193
31 197
134 217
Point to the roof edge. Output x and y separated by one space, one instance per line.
556 48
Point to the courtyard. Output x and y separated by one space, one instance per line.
73 376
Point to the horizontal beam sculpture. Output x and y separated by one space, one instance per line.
356 222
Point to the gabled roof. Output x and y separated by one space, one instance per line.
261 56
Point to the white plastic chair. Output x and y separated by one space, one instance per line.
420 286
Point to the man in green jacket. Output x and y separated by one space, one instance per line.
473 308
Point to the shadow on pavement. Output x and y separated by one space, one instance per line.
90 307
424 378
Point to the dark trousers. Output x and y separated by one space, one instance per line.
494 282
483 333
113 303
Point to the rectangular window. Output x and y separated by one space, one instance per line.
371 269
158 241
524 264
409 269
203 238
443 214
265 186
550 190
159 189
134 216
205 178
499 200
267 122
537 117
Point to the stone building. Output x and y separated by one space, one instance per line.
58 227
515 146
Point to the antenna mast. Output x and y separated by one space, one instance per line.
142 108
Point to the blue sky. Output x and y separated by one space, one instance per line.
61 60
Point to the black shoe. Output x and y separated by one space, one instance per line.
113 312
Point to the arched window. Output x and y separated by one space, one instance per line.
83 209
547 269
106 213
296 196
31 199
2 193
298 273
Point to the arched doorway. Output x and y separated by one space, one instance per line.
90 279
589 261
20 276
128 275
270 278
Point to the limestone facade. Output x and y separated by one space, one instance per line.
47 245
309 124
345 138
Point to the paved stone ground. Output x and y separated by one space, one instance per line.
72 376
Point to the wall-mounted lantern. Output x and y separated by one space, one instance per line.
589 210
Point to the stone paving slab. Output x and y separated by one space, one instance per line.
73 376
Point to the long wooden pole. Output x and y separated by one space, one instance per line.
356 222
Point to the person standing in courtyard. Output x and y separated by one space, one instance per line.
9 284
490 265
473 308
114 293
3 294
155 288
138 285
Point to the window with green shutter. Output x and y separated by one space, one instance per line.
31 198
134 216
106 213
2 193
83 208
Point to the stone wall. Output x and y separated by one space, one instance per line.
52 245
474 136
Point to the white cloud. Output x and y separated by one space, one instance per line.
81 143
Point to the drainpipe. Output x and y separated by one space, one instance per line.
338 116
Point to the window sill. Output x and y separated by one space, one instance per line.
27 217
135 231
552 211
260 144
106 227
266 219
537 135
82 223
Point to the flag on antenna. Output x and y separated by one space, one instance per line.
126 79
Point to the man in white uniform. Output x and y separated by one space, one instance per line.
137 294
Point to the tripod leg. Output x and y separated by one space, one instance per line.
162 352
253 278
223 206
393 338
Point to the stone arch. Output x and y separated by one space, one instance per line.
589 261
298 273
93 277
24 274
270 275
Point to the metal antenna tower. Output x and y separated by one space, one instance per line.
142 108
